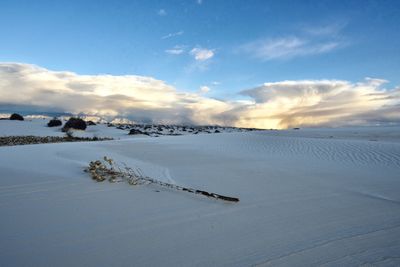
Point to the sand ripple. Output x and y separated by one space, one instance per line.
358 152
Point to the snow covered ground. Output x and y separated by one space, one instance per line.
307 197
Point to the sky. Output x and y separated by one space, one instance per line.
268 64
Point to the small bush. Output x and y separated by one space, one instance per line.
134 132
16 117
90 123
74 123
54 123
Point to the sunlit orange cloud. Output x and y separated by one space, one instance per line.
145 99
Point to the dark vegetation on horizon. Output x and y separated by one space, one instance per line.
152 130
30 139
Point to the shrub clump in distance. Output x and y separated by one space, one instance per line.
16 117
74 123
54 122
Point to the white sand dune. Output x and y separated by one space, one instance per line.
306 199
38 127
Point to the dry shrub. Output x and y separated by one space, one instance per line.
108 169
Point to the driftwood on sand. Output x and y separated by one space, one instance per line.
107 169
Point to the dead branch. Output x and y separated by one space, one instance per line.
107 169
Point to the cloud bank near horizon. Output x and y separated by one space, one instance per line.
144 99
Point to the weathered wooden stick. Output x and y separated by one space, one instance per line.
194 191
100 172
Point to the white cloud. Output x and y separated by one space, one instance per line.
136 97
287 47
176 50
320 102
309 41
201 54
204 89
170 35
325 30
145 99
162 12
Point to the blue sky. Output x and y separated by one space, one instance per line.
267 64
132 37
